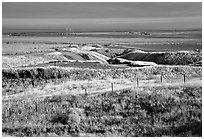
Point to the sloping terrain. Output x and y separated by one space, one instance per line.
67 55
22 60
165 58
108 52
130 62
56 56
171 108
84 86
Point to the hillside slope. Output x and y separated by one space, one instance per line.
165 58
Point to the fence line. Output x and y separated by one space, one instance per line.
103 95
137 81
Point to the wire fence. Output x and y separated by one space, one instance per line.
36 104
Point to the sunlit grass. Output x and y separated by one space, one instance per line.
158 111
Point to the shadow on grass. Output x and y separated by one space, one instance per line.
192 129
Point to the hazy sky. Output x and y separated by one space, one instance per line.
101 15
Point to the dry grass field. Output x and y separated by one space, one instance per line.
66 86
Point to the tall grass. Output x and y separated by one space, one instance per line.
121 113
35 76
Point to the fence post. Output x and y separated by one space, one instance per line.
90 121
184 78
9 108
24 106
7 111
36 105
102 104
112 87
137 81
85 92
161 78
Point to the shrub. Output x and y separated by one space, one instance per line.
71 117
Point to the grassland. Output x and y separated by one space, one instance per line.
122 113
29 76
148 110
64 86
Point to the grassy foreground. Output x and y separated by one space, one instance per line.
157 111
